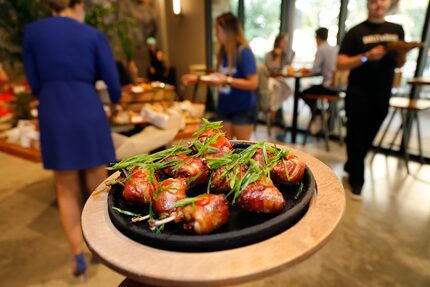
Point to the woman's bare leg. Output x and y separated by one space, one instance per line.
242 132
227 128
68 197
95 176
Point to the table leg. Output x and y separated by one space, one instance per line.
405 140
420 148
295 110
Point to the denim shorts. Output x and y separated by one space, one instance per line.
241 118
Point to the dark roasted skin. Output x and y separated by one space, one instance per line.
288 171
207 214
259 157
169 192
219 182
222 143
138 188
261 196
193 170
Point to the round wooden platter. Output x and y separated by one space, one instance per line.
168 268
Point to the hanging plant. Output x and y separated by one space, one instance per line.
124 35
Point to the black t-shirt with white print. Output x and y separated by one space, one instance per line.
372 78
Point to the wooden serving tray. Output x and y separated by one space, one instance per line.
398 45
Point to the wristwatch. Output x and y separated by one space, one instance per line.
364 58
229 80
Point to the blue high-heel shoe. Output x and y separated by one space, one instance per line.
80 265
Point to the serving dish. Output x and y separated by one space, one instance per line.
399 45
243 228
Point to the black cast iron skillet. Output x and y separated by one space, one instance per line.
243 227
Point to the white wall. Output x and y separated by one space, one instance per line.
184 35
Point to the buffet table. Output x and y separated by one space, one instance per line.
133 100
29 153
151 266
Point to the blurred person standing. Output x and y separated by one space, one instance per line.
77 10
325 64
159 69
144 14
237 79
370 81
62 58
3 75
276 61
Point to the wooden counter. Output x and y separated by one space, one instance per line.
34 155
167 268
19 151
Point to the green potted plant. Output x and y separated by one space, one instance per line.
14 15
102 17
127 44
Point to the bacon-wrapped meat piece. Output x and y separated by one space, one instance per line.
221 179
260 158
206 214
140 187
290 170
193 170
220 142
170 191
261 196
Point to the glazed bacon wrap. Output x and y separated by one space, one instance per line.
208 213
285 167
246 178
140 187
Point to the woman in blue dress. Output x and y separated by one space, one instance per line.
236 78
62 59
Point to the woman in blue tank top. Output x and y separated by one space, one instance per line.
236 79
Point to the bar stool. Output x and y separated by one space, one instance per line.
330 101
340 81
405 106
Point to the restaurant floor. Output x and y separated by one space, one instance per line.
384 240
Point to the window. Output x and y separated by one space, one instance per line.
234 6
310 15
425 90
219 7
262 22
426 72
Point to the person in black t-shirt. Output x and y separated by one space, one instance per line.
370 81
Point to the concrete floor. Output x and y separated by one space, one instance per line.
384 240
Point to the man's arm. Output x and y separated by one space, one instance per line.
345 62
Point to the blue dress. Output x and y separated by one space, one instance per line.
62 60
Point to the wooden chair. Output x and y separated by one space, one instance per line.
339 83
198 95
406 107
